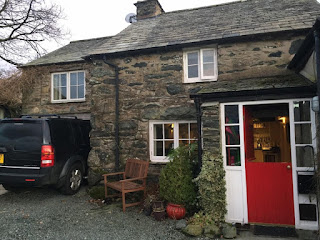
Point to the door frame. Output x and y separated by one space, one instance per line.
237 174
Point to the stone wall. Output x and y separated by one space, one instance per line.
38 101
152 88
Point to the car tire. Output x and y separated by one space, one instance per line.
73 180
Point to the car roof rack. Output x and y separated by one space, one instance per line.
46 116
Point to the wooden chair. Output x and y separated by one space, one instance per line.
134 180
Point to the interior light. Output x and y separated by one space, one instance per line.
282 119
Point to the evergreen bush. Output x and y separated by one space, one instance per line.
176 178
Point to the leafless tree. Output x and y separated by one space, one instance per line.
24 26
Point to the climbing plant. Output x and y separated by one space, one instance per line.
212 187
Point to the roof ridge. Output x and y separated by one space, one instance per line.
209 6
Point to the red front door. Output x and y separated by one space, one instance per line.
268 164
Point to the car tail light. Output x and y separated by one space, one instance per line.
47 156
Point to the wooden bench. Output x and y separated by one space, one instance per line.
134 180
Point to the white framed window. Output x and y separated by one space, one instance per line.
200 65
167 135
68 87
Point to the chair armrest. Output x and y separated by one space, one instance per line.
133 179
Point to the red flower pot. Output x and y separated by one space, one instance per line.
175 211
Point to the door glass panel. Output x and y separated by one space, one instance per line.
303 133
183 142
232 135
233 156
305 156
231 114
301 111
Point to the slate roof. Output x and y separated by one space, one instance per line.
73 52
217 22
213 23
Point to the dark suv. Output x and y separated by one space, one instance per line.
44 150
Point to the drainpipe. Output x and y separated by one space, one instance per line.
116 130
197 102
317 50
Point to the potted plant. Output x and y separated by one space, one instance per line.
176 181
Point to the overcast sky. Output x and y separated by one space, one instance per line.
99 18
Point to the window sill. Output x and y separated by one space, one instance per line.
158 162
200 80
68 101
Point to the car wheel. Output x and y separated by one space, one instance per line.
73 180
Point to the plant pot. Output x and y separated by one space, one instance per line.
176 211
159 215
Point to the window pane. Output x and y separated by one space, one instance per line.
81 91
55 80
233 156
183 131
303 133
157 131
63 93
73 79
193 58
81 78
302 111
193 131
193 71
168 131
208 69
305 156
231 114
207 56
168 147
56 93
158 148
183 142
73 92
63 80
232 135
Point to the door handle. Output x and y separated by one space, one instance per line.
289 167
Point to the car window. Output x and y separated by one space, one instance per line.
21 135
61 134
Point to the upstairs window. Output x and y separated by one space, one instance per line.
68 87
200 65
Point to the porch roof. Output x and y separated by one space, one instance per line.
279 87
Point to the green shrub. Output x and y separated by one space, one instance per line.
176 178
212 187
97 192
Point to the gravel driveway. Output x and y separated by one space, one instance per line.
46 214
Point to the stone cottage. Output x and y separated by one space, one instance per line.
218 69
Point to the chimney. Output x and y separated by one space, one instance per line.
148 9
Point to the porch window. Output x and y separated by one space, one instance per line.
232 135
167 135
200 65
303 134
68 87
